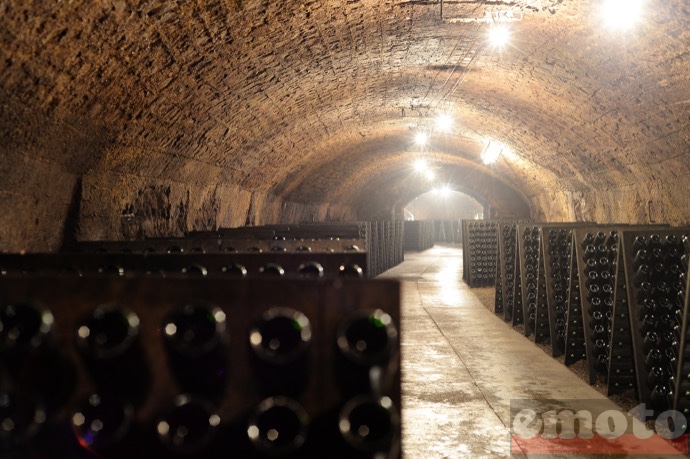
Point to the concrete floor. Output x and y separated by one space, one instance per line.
462 365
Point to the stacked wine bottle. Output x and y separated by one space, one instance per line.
382 241
529 246
621 375
654 274
681 401
597 251
557 265
498 296
419 235
508 259
481 249
542 329
230 265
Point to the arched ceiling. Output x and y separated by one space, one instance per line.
318 101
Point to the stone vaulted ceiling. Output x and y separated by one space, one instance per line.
134 118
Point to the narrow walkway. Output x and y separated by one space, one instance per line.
462 366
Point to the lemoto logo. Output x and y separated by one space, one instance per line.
594 427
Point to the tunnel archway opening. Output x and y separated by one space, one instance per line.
444 204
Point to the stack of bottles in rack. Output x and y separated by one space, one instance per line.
659 279
418 235
682 396
509 248
483 243
530 244
181 353
110 367
598 252
613 295
559 260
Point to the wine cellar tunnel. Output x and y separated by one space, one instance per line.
126 119
236 130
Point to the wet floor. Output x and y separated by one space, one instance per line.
462 365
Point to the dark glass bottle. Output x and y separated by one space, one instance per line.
19 423
24 328
598 332
597 319
369 426
601 363
643 274
234 269
651 341
592 291
642 257
590 252
654 240
640 242
659 395
272 269
604 263
111 270
672 240
588 240
102 423
195 269
311 269
188 427
649 308
656 376
108 341
194 337
350 270
278 427
654 358
648 323
367 340
596 303
592 278
280 342
32 355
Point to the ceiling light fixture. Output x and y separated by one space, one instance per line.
621 14
492 152
499 35
420 165
421 139
444 122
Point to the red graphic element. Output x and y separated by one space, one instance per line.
598 445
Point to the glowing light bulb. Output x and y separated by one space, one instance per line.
492 152
429 174
420 165
444 123
499 35
621 14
